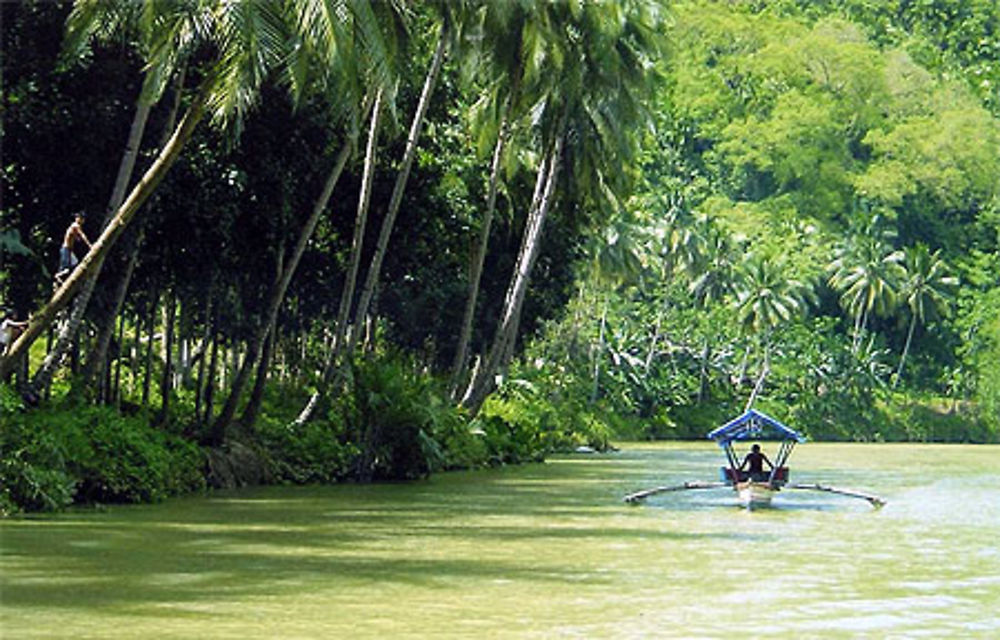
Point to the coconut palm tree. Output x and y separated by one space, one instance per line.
508 40
247 39
867 272
766 299
927 287
596 71
333 46
452 15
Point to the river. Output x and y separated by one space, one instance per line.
535 551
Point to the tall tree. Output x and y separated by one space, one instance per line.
866 272
926 288
590 82
248 41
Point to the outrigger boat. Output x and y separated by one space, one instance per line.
757 489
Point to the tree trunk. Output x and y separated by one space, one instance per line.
374 270
132 247
212 364
906 350
252 410
361 220
595 389
147 375
277 295
460 363
69 332
166 380
91 264
205 340
548 169
350 279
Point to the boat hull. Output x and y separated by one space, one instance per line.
755 494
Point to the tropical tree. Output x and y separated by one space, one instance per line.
598 70
248 42
333 47
510 39
766 299
866 272
926 288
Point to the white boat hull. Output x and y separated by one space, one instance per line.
755 494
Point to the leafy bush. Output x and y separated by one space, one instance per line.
53 457
310 453
391 411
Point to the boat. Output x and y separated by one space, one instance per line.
755 489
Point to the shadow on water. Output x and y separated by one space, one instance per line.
551 547
256 542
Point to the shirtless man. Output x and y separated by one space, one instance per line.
756 459
67 259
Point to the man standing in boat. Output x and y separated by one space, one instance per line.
755 459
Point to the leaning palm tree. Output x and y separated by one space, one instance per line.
592 82
247 41
332 49
926 288
508 40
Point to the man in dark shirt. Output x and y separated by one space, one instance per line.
755 459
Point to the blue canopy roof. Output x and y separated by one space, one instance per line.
755 425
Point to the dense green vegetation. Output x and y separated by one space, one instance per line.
393 239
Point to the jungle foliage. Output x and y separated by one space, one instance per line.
416 237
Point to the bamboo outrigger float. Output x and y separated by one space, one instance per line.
755 488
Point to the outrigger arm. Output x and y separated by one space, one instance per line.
874 500
634 498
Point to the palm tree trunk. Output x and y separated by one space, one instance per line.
277 295
199 392
361 220
133 245
375 269
598 352
91 264
212 365
460 363
252 410
67 336
906 350
651 353
166 386
147 375
548 169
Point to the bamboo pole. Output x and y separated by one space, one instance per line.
634 498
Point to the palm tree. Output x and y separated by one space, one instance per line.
332 47
508 40
866 272
591 81
450 28
248 42
616 258
714 278
927 287
766 299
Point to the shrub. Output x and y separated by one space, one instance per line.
54 457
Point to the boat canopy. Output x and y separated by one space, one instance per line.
755 425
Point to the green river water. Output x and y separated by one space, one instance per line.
537 551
